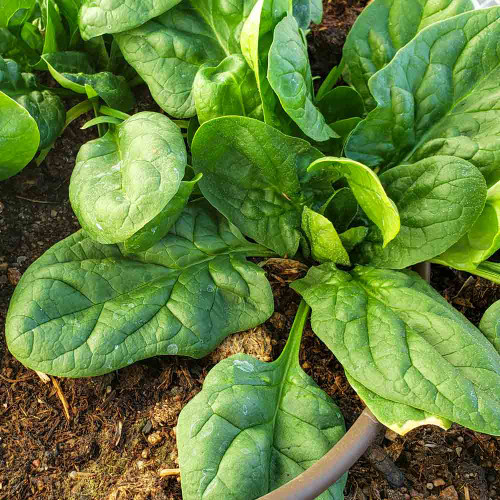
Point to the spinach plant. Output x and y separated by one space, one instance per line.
156 272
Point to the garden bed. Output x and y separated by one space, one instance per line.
119 439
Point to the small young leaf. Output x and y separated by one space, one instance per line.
267 418
85 309
326 245
490 324
73 70
290 77
368 191
125 179
353 237
227 89
395 335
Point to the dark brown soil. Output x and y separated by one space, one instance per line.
121 429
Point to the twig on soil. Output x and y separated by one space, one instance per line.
14 381
38 201
43 377
62 398
381 461
466 493
169 472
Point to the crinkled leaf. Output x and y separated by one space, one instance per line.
270 419
439 199
168 51
401 340
490 324
227 89
85 309
158 227
434 98
324 241
251 174
256 39
125 179
74 71
367 190
19 137
399 417
290 77
384 27
353 236
98 17
45 107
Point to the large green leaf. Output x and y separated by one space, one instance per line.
481 242
74 71
19 137
368 191
11 8
251 174
434 98
168 51
85 309
384 27
45 107
490 324
402 341
290 77
256 40
98 17
227 89
125 179
255 426
439 199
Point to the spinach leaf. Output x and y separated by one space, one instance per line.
168 51
353 236
290 77
439 199
341 103
85 309
324 241
481 242
433 100
384 27
399 417
341 209
45 107
490 324
19 137
73 70
307 12
98 17
227 89
367 190
17 10
252 174
267 418
256 39
395 335
125 179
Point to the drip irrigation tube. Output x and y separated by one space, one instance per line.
320 476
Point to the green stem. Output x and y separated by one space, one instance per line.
106 110
330 80
101 128
291 351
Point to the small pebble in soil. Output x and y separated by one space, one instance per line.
155 438
147 427
458 450
449 493
145 453
438 482
429 486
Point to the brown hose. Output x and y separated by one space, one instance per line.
320 476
